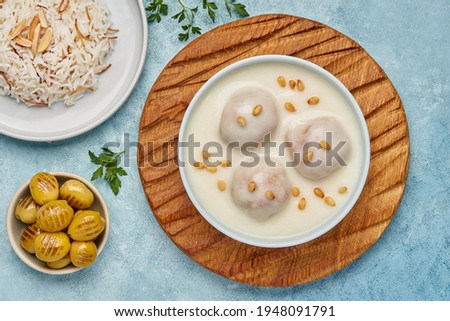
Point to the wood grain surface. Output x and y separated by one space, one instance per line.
293 36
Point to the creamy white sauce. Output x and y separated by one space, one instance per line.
204 124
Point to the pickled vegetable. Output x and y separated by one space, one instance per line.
44 188
26 210
51 247
60 264
83 254
77 194
54 216
86 226
28 238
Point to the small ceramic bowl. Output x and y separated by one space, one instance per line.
15 227
363 168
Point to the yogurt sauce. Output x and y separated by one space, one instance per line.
204 123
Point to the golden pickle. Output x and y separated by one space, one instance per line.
26 210
83 254
86 226
77 194
44 188
60 264
54 216
51 247
28 238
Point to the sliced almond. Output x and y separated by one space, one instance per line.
330 201
113 38
319 193
300 85
46 40
42 18
17 30
221 185
289 107
302 204
37 32
113 30
314 100
23 42
33 25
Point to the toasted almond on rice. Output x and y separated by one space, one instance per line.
17 30
42 18
33 25
36 36
23 42
46 40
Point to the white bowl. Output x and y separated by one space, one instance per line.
314 232
15 227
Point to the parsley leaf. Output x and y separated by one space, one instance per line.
156 8
108 169
186 15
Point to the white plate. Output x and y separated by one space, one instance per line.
62 122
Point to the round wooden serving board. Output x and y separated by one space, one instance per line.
309 40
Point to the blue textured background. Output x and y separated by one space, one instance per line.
411 261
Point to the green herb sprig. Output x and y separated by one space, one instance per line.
186 15
108 169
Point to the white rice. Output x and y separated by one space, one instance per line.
69 66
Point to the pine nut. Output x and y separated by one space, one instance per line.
308 157
199 165
302 204
270 195
342 189
292 84
221 185
226 163
330 201
289 107
257 110
281 81
325 145
241 121
318 191
252 186
211 169
295 191
314 100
